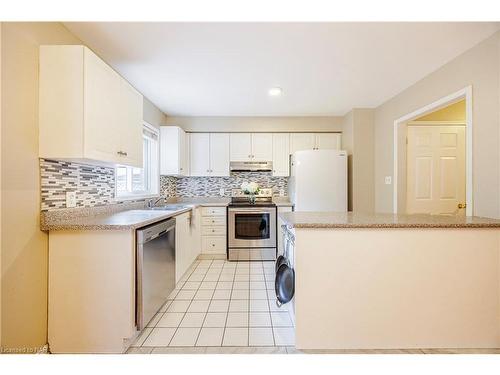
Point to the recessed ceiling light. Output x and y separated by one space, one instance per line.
275 91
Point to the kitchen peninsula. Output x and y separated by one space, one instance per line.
383 281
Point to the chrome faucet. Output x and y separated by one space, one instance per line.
151 202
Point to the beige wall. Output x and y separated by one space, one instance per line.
1 25
24 246
478 67
264 124
357 140
152 115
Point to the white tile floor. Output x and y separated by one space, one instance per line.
221 304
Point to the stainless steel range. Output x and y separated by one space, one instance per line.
252 226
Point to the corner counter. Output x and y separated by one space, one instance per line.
387 281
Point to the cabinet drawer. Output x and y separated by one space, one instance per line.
213 211
214 220
216 230
213 244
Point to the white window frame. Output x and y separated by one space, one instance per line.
154 179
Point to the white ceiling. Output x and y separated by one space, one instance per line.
226 69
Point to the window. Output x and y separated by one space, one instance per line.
137 182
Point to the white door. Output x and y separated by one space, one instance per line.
302 141
328 141
219 154
199 154
241 146
436 169
262 146
281 154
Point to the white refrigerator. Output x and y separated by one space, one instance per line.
318 180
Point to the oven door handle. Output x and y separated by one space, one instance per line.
252 210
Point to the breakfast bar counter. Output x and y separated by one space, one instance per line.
386 281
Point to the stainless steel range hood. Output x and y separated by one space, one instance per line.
251 166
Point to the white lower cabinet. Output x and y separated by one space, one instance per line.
182 244
187 241
213 230
195 233
280 230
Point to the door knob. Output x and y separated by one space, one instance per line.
462 205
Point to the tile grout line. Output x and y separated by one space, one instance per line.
190 302
155 326
211 299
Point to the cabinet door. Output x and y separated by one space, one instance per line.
195 233
240 146
199 154
101 110
262 146
130 134
187 155
219 154
183 168
281 154
182 245
328 141
301 141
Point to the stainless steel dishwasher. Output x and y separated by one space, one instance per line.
155 270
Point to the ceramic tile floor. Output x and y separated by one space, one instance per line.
220 304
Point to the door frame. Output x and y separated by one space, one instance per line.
400 152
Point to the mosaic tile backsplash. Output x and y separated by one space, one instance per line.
94 185
210 186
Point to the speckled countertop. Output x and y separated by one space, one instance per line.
213 201
125 216
123 220
365 220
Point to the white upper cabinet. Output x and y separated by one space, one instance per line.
87 112
315 141
262 146
251 147
173 151
328 141
281 154
209 154
302 141
219 154
240 146
199 154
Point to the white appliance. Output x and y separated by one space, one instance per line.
318 180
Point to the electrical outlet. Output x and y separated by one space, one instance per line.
221 192
70 199
388 180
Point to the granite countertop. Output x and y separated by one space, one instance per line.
202 201
123 220
214 201
126 216
366 220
